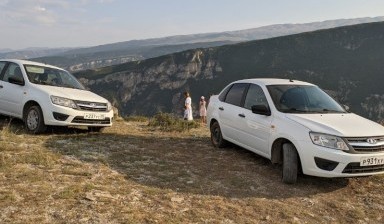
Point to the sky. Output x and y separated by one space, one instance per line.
80 23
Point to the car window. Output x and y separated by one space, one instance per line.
235 94
51 76
223 94
255 96
303 99
12 70
2 65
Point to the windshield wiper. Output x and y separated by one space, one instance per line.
68 86
293 110
333 111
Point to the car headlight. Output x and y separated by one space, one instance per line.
109 106
329 141
63 102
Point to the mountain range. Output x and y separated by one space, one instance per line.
76 59
346 61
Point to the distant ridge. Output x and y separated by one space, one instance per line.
116 53
346 61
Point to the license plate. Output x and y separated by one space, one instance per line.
94 116
372 161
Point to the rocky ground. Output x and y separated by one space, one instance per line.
133 173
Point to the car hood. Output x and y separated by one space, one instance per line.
73 94
344 125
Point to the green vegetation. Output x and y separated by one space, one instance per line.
169 122
138 118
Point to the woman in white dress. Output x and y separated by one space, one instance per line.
188 105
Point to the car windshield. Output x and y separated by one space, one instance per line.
50 76
303 99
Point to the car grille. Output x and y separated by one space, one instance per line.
81 120
91 106
356 168
361 145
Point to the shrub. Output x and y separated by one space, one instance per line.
169 122
138 118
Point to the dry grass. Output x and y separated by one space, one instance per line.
134 173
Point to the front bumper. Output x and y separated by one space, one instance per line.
64 116
335 163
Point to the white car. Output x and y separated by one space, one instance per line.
43 95
298 125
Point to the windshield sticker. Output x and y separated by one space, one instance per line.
34 69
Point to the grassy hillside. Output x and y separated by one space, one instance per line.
135 173
346 61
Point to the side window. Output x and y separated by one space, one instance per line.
2 65
255 96
235 94
12 70
224 93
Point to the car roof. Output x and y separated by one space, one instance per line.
26 62
271 81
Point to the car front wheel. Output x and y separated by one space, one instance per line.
216 137
290 164
34 120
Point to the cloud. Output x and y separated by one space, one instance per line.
106 1
25 12
3 2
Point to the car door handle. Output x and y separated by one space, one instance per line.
1 86
221 108
241 115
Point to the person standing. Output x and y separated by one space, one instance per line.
203 110
188 105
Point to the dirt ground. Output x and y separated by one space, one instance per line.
132 173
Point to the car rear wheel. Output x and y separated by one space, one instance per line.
216 137
34 120
290 164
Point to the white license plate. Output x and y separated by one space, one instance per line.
94 116
372 161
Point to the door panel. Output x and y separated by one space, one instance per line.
12 95
229 110
257 128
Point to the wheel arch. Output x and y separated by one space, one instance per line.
277 151
29 104
212 121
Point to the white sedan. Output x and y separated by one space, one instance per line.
44 95
298 125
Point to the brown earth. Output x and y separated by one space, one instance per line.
133 173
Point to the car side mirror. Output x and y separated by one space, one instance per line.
261 109
16 80
346 107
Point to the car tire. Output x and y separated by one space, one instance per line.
95 129
290 164
34 120
216 136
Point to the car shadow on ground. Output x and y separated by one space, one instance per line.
190 165
17 126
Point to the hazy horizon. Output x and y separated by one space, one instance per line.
69 23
